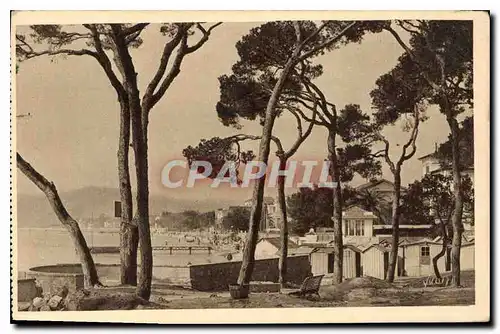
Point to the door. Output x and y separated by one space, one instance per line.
330 263
448 259
357 261
386 263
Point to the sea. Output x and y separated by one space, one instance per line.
47 246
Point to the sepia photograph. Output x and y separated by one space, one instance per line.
250 167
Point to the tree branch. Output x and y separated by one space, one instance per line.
135 29
386 154
413 138
301 136
165 57
69 52
105 63
327 43
47 187
407 49
204 38
172 74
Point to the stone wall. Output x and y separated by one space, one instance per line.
26 290
52 282
218 276
52 277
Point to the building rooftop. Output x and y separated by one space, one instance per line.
432 155
373 183
275 241
408 227
357 212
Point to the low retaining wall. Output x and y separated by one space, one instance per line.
53 277
218 276
27 290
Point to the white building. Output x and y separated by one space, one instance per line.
432 165
270 247
270 218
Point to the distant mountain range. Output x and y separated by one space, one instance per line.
35 210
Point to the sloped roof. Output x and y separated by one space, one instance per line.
362 243
353 248
424 241
329 249
430 155
323 250
466 239
354 211
303 250
275 241
376 183
379 247
373 183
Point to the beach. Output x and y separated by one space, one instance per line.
41 246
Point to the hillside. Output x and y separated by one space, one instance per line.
35 211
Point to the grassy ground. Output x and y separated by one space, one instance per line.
358 292
355 292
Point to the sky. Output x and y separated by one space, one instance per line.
72 134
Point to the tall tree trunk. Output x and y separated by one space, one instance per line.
50 191
456 219
282 265
396 213
140 145
129 238
442 252
248 259
338 247
142 198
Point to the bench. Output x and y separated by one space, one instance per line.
310 286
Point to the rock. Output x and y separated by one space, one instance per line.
63 292
102 299
140 307
38 302
23 306
45 308
55 302
361 293
39 291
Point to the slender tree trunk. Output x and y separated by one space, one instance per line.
49 189
338 247
140 146
441 253
142 199
129 239
396 213
282 265
248 259
456 219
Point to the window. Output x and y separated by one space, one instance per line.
354 227
360 228
351 227
425 251
427 169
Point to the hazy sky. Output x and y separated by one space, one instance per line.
73 134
